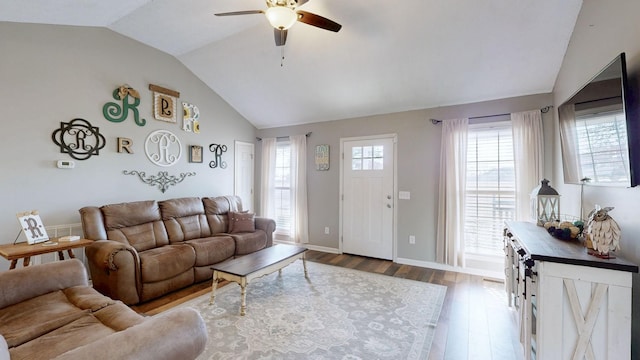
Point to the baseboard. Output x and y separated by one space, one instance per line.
310 246
493 275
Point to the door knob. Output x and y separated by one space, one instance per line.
389 206
389 197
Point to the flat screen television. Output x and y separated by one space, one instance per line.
599 132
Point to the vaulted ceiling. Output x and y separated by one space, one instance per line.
389 56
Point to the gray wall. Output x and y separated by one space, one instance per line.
418 167
603 30
52 74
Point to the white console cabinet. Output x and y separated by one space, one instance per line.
571 305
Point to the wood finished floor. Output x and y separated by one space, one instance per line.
475 322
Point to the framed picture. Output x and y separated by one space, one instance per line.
322 157
195 153
32 227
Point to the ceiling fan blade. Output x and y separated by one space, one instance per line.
247 12
318 21
280 36
300 2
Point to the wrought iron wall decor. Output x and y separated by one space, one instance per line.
78 138
163 148
218 150
163 180
116 113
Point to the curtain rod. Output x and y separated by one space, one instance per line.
284 137
544 110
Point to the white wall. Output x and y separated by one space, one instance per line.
52 74
603 30
418 167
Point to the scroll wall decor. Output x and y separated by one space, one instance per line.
79 139
218 150
118 113
163 180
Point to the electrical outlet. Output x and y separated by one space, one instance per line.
412 239
326 230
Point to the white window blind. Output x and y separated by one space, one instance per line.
282 193
602 147
490 193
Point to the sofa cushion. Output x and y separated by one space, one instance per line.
184 219
83 330
217 208
34 317
240 222
247 243
142 237
122 215
166 262
212 250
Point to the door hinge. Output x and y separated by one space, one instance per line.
342 156
342 196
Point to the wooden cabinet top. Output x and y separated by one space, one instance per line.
543 247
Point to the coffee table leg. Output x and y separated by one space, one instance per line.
214 286
243 303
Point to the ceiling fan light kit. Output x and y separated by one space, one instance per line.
280 17
282 14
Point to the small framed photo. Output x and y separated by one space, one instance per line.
195 153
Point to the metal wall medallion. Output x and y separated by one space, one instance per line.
163 148
218 150
79 139
163 180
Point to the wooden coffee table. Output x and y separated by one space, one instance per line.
243 269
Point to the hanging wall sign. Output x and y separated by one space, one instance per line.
79 139
163 148
322 157
190 116
118 113
164 103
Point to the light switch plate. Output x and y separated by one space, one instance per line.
404 195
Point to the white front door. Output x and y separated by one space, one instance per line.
368 196
243 177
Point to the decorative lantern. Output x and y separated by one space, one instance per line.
545 203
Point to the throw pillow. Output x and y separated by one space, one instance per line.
240 222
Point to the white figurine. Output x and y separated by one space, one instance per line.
604 231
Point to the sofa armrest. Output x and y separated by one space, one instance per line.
176 334
41 279
268 225
115 270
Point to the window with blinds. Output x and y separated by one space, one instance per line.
491 188
282 188
602 147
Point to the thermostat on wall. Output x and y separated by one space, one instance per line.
66 164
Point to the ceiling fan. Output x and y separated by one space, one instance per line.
282 14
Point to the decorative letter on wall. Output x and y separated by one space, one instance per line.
164 103
124 145
163 148
79 139
116 113
218 149
190 116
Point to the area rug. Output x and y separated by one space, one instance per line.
336 313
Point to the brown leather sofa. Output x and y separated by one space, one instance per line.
146 249
49 311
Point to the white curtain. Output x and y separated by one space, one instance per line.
267 206
299 218
528 151
569 137
451 200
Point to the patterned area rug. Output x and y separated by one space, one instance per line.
337 313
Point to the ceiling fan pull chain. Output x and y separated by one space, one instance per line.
282 58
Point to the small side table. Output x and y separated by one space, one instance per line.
24 251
